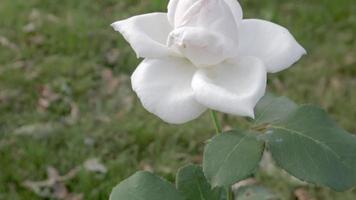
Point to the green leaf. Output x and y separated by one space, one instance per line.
145 186
273 109
310 146
231 157
192 183
255 192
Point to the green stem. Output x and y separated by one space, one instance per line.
216 122
230 195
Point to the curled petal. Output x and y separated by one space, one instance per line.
202 47
163 86
213 15
271 43
236 10
233 87
147 34
172 8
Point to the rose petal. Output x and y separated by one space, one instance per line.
163 86
236 10
172 8
271 43
147 34
205 30
213 15
233 87
201 46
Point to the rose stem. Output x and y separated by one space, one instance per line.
218 129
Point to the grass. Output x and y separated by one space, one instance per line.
65 95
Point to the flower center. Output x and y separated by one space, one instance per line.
202 47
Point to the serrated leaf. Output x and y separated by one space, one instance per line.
145 186
231 157
310 146
255 192
192 183
272 109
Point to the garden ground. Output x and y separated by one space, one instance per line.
66 104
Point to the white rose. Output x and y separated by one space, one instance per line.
202 54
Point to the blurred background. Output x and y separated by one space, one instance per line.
71 128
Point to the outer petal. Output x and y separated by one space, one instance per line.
163 86
235 9
270 42
233 87
147 34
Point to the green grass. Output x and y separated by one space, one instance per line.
67 50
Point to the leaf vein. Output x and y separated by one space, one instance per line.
230 153
301 134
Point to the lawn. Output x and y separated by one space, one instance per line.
66 99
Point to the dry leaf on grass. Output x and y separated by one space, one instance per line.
29 28
47 96
37 130
244 183
146 167
302 194
111 82
73 117
6 96
36 20
37 39
94 165
54 186
88 141
112 56
350 59
6 43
